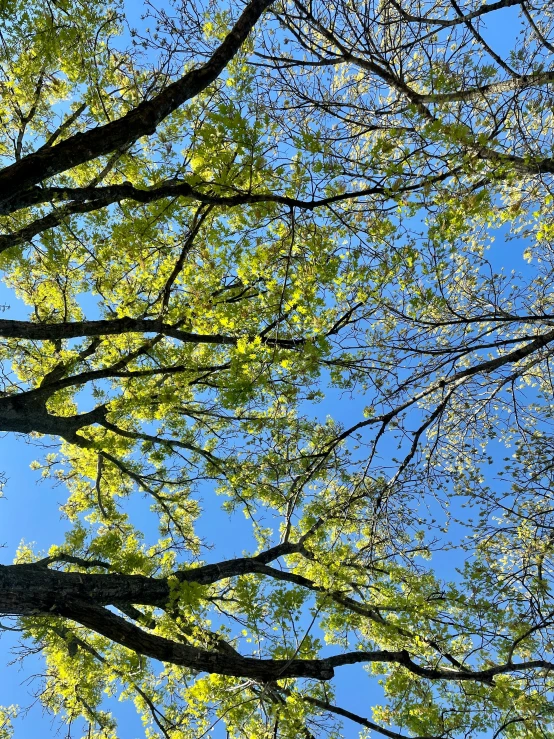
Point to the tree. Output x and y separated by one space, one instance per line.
216 224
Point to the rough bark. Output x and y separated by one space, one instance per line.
34 590
29 415
141 121
110 327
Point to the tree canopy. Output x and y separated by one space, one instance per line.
265 252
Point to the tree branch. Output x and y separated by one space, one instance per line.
141 121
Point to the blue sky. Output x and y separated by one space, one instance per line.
29 511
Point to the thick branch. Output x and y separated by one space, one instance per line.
34 586
142 121
32 589
85 199
114 326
